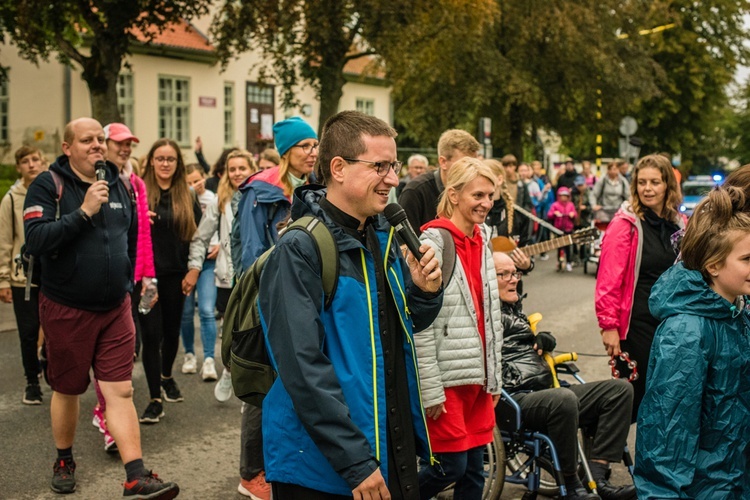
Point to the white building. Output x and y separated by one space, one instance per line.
173 88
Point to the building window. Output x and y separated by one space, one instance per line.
4 133
125 101
174 109
366 106
257 94
228 114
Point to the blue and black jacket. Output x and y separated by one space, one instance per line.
324 419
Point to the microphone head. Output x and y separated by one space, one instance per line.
394 213
100 164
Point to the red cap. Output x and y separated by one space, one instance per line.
119 132
563 191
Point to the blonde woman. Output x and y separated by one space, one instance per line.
459 354
267 196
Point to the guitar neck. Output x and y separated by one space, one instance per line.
546 246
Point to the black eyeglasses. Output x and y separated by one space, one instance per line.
307 148
381 166
507 275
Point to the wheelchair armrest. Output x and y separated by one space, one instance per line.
568 368
508 413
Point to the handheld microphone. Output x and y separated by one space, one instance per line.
397 218
101 170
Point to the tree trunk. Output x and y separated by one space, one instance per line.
331 89
100 72
516 131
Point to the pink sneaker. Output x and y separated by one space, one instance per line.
98 420
109 443
257 488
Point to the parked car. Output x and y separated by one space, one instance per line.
695 189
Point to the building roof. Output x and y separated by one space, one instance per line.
365 66
180 35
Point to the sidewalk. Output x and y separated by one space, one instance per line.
7 318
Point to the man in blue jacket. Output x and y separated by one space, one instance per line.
82 231
344 417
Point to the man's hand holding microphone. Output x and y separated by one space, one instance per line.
98 193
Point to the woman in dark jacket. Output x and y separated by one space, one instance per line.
177 213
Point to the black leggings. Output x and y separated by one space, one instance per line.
161 332
27 320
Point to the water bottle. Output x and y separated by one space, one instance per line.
144 307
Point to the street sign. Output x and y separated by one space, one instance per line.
628 126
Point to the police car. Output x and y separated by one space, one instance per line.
695 189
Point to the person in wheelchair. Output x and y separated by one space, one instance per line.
602 407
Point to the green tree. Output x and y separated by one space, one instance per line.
697 61
95 34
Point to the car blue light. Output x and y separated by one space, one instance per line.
717 178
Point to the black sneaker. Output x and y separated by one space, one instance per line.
32 395
170 391
63 476
154 411
150 487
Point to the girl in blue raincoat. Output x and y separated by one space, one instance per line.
694 421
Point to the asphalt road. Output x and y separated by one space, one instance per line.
197 443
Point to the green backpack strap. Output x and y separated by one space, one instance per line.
449 255
328 252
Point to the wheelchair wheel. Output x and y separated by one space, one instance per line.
547 483
494 470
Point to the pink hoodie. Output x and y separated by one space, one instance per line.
144 259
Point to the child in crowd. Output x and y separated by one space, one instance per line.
205 290
694 421
29 164
563 214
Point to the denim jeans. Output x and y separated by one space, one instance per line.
465 468
205 288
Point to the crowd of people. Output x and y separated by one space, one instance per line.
408 356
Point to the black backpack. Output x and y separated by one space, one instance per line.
243 346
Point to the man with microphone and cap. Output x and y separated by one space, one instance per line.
80 228
344 417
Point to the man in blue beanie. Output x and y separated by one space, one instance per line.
266 201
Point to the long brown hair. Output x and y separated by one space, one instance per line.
226 190
499 171
182 198
672 196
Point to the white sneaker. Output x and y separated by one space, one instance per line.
569 267
190 365
223 390
208 371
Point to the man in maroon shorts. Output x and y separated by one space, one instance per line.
82 231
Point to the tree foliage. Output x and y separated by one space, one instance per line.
697 60
95 34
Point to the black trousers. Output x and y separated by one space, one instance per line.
251 437
638 346
286 491
601 408
27 320
161 332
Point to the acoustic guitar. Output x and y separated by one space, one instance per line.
507 245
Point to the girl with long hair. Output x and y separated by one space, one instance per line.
176 213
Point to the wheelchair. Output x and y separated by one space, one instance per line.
522 456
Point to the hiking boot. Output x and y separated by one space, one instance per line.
109 443
32 395
150 487
190 365
208 370
170 391
224 390
257 488
154 411
63 476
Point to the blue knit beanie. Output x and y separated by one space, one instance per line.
289 132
